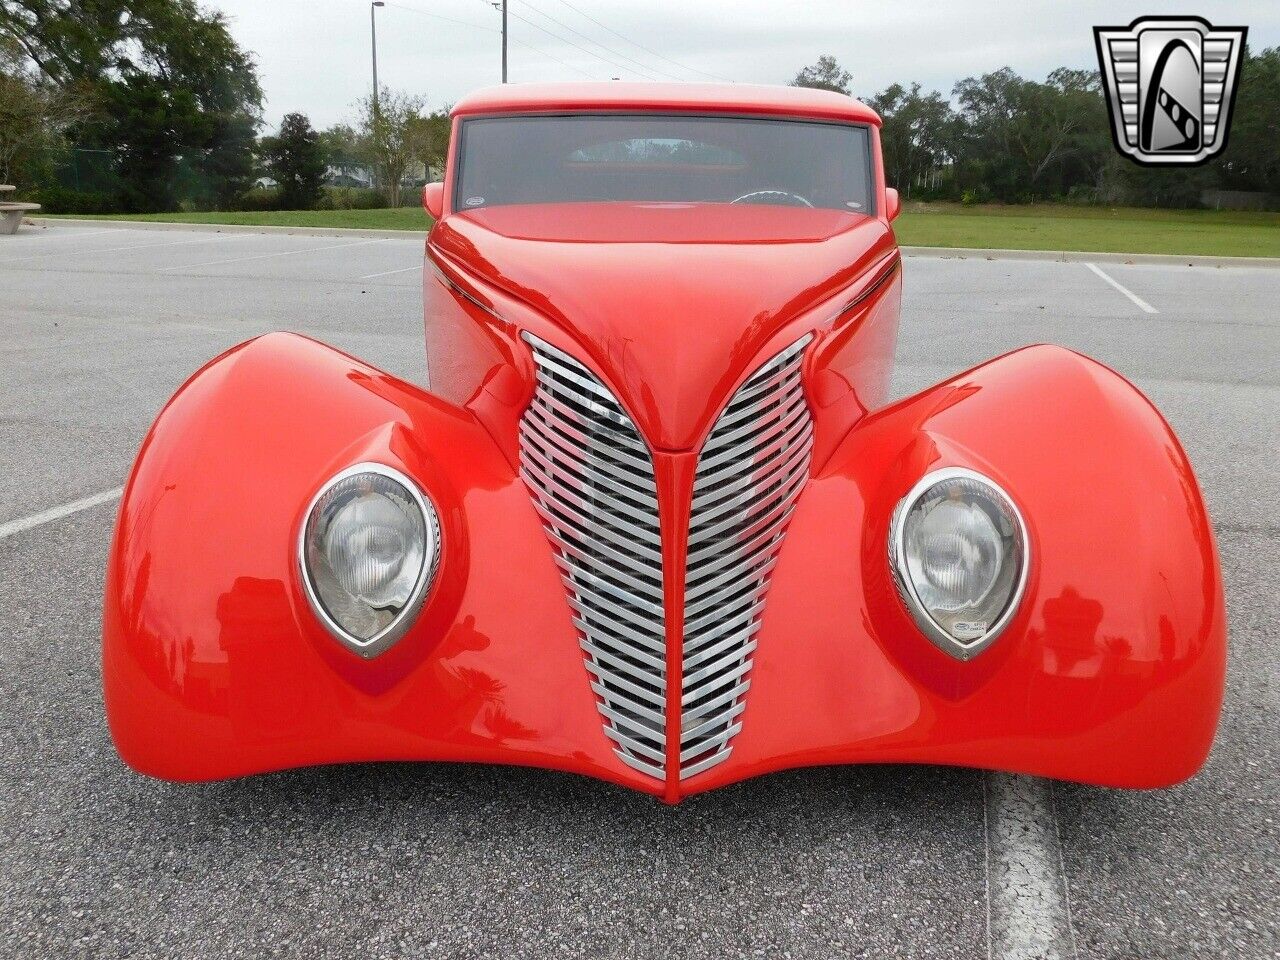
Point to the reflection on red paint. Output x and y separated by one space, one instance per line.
1111 672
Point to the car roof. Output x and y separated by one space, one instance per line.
735 98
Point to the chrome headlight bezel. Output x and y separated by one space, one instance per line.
907 591
405 617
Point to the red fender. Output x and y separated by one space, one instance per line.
1112 670
214 666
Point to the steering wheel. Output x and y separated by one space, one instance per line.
788 199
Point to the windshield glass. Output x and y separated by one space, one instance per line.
644 158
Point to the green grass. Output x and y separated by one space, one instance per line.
1034 227
401 218
1110 229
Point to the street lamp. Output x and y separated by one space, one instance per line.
373 37
502 5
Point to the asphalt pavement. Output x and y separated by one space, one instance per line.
98 327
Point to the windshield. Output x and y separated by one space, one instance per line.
644 158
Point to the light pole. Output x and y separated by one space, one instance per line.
502 5
373 37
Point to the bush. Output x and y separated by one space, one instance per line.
66 200
1081 195
351 198
259 199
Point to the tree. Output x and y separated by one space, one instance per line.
178 97
225 167
917 133
1252 159
1079 110
430 138
342 149
387 132
296 161
34 115
826 74
1019 135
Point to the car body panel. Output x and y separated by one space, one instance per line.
1111 672
705 98
214 665
677 320
208 638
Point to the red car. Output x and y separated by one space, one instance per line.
654 521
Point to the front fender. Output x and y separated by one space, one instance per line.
213 663
1112 670
214 666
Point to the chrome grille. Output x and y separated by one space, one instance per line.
592 481
750 472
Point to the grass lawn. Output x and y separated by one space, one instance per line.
1033 227
1111 229
402 218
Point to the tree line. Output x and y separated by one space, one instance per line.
145 105
1005 138
151 105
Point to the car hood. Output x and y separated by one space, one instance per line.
678 314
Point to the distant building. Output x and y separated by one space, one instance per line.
348 176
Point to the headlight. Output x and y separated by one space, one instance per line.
368 552
958 549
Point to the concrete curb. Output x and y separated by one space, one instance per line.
231 228
1077 256
945 253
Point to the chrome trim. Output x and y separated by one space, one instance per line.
458 290
893 267
592 481
940 638
432 549
750 473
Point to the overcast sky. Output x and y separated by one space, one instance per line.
313 55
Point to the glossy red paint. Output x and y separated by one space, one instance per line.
746 280
214 666
706 98
433 200
1112 670
892 203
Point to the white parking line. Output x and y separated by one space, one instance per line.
387 273
1028 903
269 256
57 513
133 246
1146 307
41 238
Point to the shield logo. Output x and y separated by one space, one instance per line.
1170 83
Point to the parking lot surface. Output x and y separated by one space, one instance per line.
98 327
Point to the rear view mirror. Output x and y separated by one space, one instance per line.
433 199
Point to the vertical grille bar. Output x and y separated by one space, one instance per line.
593 484
750 473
